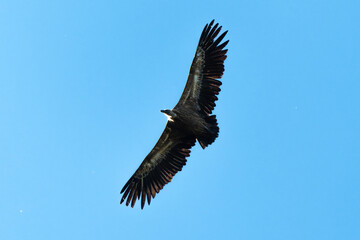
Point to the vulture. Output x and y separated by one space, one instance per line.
189 121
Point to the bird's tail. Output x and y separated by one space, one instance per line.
211 132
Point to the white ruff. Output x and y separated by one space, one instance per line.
169 118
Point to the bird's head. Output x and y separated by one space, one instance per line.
169 113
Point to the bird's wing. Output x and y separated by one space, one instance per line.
159 167
206 69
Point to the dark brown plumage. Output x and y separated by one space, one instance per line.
189 120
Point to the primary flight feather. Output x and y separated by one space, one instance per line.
188 121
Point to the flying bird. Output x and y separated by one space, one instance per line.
189 121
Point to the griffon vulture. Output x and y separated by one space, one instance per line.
188 121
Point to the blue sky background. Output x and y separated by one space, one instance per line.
81 86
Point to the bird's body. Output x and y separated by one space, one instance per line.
189 121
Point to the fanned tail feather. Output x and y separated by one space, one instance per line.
211 133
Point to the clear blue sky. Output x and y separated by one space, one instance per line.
81 86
